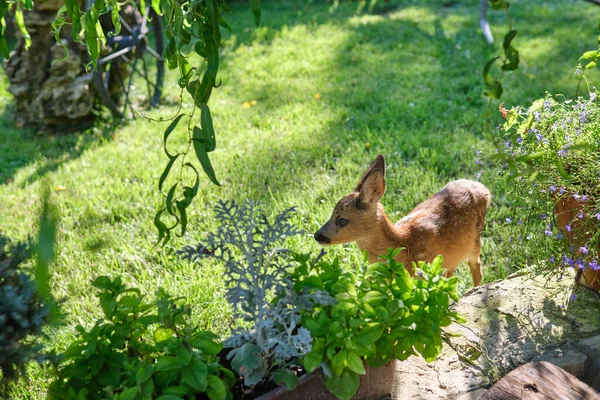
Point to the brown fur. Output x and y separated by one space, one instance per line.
448 223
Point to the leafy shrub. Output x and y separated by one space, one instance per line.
141 350
261 291
381 314
549 153
22 311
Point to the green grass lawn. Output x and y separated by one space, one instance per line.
333 89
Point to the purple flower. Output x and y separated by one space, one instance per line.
568 261
580 215
539 137
559 236
544 216
583 249
577 196
508 220
597 215
568 227
479 175
519 140
477 161
594 265
584 198
580 265
548 104
548 233
583 116
561 190
573 297
420 273
552 189
562 153
551 259
537 116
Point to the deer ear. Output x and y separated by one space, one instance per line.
372 185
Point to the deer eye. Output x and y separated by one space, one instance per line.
341 222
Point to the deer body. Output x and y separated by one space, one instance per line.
448 223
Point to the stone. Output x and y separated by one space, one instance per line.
509 323
474 395
591 347
572 361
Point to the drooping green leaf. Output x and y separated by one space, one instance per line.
499 5
255 6
508 38
202 154
512 59
166 171
20 21
168 131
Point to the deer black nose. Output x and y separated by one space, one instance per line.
319 237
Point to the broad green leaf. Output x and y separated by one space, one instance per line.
354 362
176 390
246 359
207 346
195 375
338 362
344 387
162 334
312 359
102 282
143 374
167 363
169 397
129 394
493 85
216 388
287 377
375 298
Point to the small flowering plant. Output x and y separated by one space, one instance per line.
549 155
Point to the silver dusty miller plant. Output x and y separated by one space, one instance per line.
260 290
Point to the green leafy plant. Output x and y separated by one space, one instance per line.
140 350
549 154
261 291
381 314
509 59
23 311
588 60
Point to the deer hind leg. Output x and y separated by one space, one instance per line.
475 262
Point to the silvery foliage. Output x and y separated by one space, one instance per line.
22 312
259 287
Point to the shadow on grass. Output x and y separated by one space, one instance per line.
23 147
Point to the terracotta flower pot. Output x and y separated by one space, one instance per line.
375 384
567 210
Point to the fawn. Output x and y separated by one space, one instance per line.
448 223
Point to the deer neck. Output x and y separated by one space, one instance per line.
381 236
